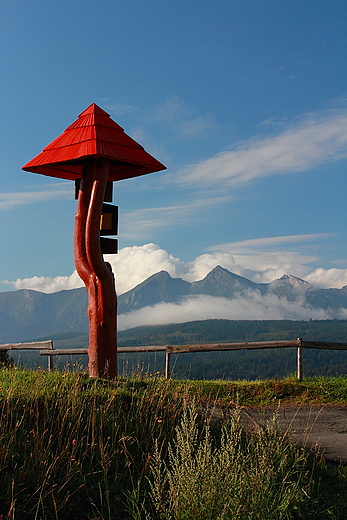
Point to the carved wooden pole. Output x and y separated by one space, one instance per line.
96 274
95 149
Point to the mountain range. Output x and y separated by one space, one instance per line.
26 314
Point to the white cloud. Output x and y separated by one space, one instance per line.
255 307
131 266
59 190
134 264
47 284
263 268
327 278
311 142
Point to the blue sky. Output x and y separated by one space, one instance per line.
244 102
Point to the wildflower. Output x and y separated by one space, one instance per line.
74 441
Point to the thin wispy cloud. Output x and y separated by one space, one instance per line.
56 191
115 107
315 140
175 115
272 121
261 244
140 223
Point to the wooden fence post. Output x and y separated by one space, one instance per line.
299 360
50 363
167 364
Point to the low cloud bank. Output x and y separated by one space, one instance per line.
47 284
252 307
134 264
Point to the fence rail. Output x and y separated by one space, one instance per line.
299 344
34 345
46 349
120 350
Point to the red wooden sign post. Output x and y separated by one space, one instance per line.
96 274
94 151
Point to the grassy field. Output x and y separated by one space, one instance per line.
73 447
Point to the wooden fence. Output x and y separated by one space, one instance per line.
37 345
46 349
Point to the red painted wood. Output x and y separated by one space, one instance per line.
95 149
93 134
96 274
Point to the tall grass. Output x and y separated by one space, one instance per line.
73 447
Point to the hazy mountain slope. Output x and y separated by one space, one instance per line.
70 309
156 289
8 327
25 314
327 298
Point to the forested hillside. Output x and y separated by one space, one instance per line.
209 331
259 364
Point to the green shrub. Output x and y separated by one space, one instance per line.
257 475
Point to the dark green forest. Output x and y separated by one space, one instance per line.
210 331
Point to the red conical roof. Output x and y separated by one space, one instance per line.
93 134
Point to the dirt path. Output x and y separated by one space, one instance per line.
321 426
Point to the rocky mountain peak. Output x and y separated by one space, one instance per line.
293 281
288 286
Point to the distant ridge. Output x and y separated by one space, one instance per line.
159 287
222 283
27 314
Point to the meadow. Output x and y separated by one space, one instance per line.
147 448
